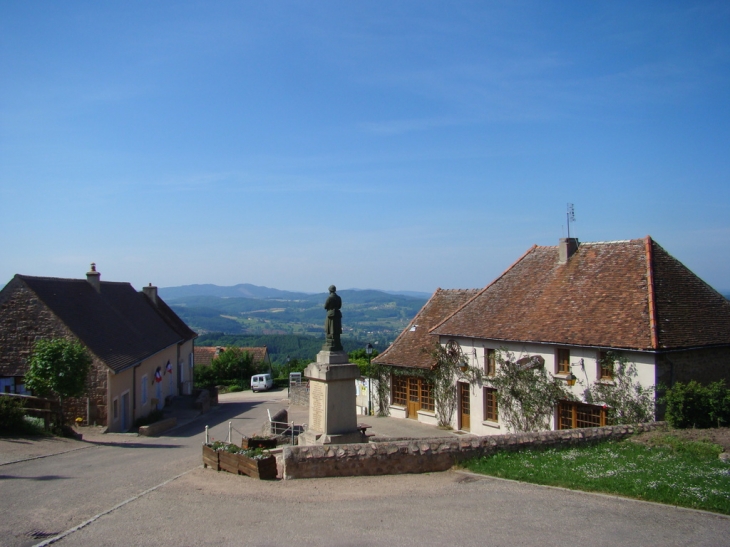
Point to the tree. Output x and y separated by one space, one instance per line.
526 393
626 402
234 366
58 367
449 360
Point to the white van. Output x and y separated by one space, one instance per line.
261 382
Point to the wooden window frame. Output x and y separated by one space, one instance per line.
574 415
604 373
427 401
399 391
490 362
491 409
562 367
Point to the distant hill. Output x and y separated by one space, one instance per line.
255 291
374 316
242 290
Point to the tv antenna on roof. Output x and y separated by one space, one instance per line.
571 216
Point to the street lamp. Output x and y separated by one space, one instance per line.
369 351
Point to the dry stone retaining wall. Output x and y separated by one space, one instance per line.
435 454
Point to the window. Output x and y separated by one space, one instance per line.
572 415
427 396
115 409
400 390
490 405
605 366
490 362
563 362
143 391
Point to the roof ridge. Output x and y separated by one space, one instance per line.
479 293
408 326
653 330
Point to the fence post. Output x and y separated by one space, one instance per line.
207 441
229 432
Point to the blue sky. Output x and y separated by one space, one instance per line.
389 145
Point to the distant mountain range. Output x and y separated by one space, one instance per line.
247 290
245 309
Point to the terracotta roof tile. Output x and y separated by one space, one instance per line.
689 313
410 349
621 294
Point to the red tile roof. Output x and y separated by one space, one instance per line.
620 294
410 349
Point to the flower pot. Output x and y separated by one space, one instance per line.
264 468
253 442
228 462
210 458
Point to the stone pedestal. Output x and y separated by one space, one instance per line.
332 413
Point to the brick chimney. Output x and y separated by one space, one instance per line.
151 293
567 248
94 278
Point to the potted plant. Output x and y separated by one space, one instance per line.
228 457
257 463
258 442
210 456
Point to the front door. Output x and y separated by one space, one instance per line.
414 398
464 413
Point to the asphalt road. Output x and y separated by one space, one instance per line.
138 491
40 498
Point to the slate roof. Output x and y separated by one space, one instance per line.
411 347
204 355
119 325
620 294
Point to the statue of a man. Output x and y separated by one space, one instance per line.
333 323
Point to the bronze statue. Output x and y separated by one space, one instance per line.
333 323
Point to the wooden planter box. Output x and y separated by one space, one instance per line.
264 469
210 458
268 443
228 462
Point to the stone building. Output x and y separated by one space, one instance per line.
569 305
142 352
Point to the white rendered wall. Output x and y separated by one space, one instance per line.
586 371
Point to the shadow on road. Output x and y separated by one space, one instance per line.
38 478
133 445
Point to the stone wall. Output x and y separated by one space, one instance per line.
25 319
430 455
299 395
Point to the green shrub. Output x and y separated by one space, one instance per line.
11 415
695 405
33 426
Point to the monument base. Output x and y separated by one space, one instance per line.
326 357
310 438
332 410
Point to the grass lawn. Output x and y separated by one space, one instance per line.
667 470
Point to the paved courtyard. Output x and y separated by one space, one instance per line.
128 490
